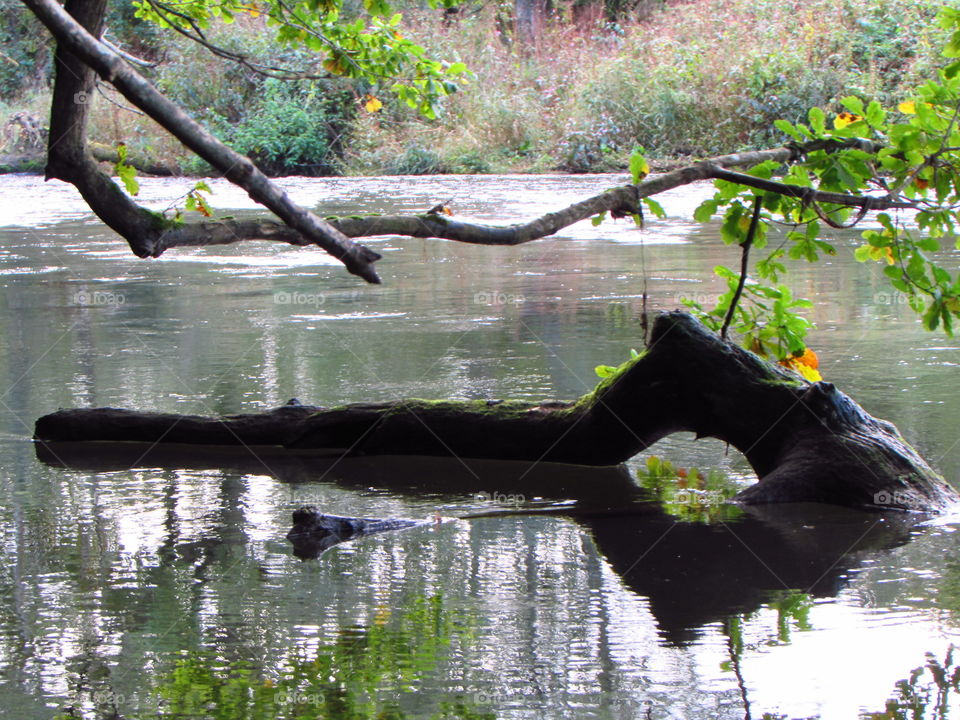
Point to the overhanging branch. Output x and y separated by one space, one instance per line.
623 199
72 37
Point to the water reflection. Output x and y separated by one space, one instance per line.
692 574
110 574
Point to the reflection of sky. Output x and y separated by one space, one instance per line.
139 562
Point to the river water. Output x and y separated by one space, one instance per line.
164 587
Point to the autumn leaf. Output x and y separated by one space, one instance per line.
805 365
808 358
639 168
197 203
334 66
372 104
908 108
844 119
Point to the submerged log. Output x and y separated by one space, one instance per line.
314 532
806 442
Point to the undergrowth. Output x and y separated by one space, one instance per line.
691 79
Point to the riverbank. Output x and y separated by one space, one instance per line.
692 80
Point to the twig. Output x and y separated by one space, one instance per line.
744 261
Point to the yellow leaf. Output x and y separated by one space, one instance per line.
844 119
908 108
372 104
799 366
808 372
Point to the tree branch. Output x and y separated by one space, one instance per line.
744 266
624 199
240 170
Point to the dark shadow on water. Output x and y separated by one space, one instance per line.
692 574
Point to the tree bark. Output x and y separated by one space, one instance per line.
806 442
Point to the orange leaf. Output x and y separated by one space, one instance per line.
809 358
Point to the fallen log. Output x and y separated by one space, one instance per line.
806 442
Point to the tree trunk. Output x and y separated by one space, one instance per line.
807 443
529 17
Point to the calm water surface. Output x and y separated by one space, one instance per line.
126 590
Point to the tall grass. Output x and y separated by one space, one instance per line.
697 78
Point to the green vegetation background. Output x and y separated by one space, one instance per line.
683 79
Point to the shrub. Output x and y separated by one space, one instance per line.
295 128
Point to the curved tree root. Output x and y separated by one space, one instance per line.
806 442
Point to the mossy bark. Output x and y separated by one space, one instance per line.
806 442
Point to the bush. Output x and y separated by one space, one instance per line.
416 160
295 128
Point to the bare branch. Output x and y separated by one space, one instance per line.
133 59
623 200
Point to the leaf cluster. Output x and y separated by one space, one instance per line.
910 154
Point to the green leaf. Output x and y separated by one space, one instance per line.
818 120
605 371
876 115
853 104
788 129
655 208
706 210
